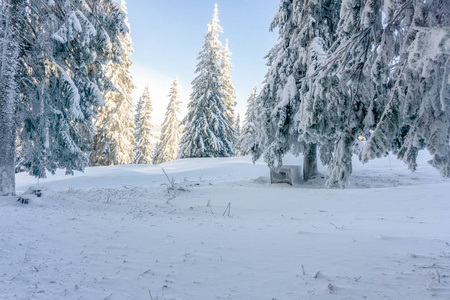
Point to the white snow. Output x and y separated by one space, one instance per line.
75 109
69 29
287 94
120 233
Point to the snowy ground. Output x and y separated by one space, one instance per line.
120 233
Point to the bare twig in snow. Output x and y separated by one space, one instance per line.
433 275
228 208
108 297
334 225
15 276
425 267
438 276
170 181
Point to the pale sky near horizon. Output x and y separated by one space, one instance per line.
168 35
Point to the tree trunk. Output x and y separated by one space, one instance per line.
9 95
310 162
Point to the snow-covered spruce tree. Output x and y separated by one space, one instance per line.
314 40
170 133
114 140
249 129
276 114
62 79
14 21
144 136
257 146
314 23
228 91
237 130
206 127
237 125
337 93
306 29
155 151
355 102
417 115
389 134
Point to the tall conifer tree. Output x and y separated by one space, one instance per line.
250 128
14 18
169 143
416 115
60 79
206 128
302 41
237 130
343 91
114 141
144 135
228 91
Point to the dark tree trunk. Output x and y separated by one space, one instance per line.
310 162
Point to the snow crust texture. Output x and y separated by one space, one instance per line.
223 232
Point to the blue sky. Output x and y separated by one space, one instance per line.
168 35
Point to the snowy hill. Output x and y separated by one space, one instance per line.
124 232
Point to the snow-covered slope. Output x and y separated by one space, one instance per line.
120 233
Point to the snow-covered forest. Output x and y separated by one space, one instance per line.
369 78
356 94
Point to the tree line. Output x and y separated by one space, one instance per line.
65 92
342 71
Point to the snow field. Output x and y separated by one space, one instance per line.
121 233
